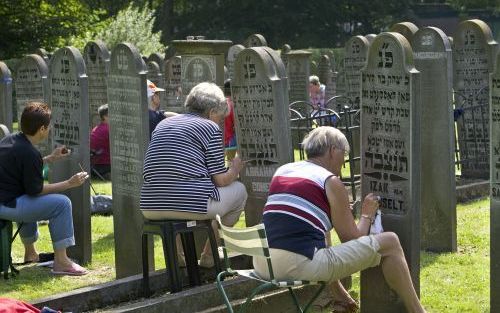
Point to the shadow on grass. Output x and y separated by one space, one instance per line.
104 245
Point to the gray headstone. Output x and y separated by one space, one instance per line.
44 54
154 73
129 137
495 189
158 58
370 37
232 53
356 53
70 127
473 60
327 76
284 53
390 158
32 84
407 29
5 96
97 56
4 131
259 91
298 71
173 94
432 55
169 52
255 40
201 61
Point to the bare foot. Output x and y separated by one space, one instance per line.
73 270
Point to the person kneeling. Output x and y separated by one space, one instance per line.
24 198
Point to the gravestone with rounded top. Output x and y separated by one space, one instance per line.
495 188
70 127
298 71
158 58
4 131
390 158
370 37
356 53
5 96
432 55
473 60
407 29
44 54
327 76
255 40
201 61
232 53
173 90
129 137
96 56
154 73
260 95
32 84
284 53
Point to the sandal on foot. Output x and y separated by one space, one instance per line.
74 270
345 307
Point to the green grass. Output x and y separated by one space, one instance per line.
450 282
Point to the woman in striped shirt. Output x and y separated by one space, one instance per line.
185 176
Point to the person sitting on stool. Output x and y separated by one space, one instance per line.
99 146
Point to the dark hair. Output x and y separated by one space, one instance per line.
103 111
34 116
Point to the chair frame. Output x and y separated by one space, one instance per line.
261 250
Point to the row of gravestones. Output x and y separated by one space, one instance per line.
392 143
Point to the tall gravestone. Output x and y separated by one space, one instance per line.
327 76
255 40
32 84
370 37
407 29
201 61
154 73
173 89
158 58
432 55
473 60
232 53
5 96
298 71
70 127
262 123
495 188
96 56
390 158
356 53
129 137
284 53
44 54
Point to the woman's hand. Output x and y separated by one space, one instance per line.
370 205
77 179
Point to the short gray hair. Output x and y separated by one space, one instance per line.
319 141
205 97
313 79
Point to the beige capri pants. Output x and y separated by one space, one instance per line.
232 202
328 264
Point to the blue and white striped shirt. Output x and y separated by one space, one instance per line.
184 153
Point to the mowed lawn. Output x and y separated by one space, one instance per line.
450 282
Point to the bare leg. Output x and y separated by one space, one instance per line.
63 263
396 271
30 254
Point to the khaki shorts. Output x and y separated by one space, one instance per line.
328 264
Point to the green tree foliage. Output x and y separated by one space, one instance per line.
30 24
463 5
132 24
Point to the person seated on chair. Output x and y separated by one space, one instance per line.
25 198
99 145
306 201
184 170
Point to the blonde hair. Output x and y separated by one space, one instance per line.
319 141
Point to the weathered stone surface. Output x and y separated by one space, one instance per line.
260 96
129 137
255 40
407 29
390 157
432 55
173 90
356 54
96 56
70 127
327 77
298 71
473 60
232 54
5 96
4 131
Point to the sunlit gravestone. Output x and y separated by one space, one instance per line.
473 56
432 54
5 96
129 137
232 53
97 56
173 91
255 40
298 71
407 29
327 76
32 84
260 96
70 127
356 53
390 158
495 188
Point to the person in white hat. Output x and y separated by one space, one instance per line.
155 114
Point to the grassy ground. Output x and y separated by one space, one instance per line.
450 282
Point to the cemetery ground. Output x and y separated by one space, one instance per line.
450 282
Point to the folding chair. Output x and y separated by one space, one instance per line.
6 240
253 241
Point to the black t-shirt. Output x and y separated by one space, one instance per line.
21 167
155 117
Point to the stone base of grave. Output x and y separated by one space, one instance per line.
471 189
